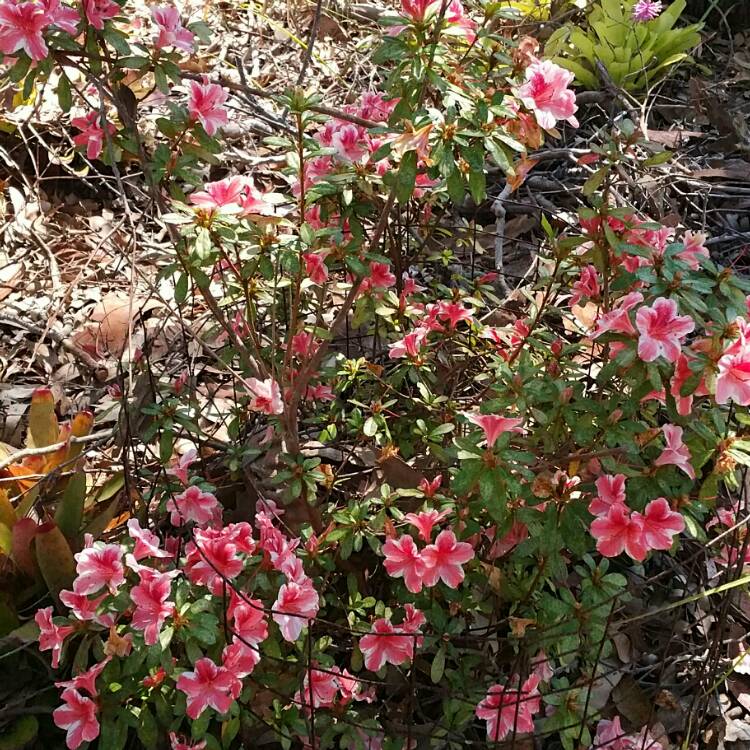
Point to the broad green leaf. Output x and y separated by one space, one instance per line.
55 559
69 513
407 176
438 666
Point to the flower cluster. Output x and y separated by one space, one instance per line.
442 560
617 528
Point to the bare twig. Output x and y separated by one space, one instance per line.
44 450
498 208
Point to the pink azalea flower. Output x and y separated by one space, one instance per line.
296 603
303 344
444 559
241 535
654 239
178 742
97 567
382 647
733 378
456 17
319 688
92 133
409 346
320 392
84 608
21 28
646 10
494 425
146 542
250 622
315 267
205 105
453 313
520 333
78 717
660 524
98 11
51 636
430 488
682 372
380 276
541 667
676 453
222 194
273 542
208 685
611 489
62 16
618 319
694 249
546 93
348 142
661 330
414 619
86 680
620 531
171 31
240 661
253 202
517 533
192 505
372 106
586 286
419 10
402 560
507 710
211 560
179 470
425 520
611 736
266 396
151 605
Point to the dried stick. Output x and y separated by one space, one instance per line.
27 452
498 208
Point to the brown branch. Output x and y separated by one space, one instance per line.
42 451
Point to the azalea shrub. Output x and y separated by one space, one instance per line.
448 493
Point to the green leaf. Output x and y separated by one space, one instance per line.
148 731
661 158
456 186
407 177
160 78
64 95
229 730
134 62
181 289
20 68
202 31
55 559
438 666
19 733
114 733
69 513
477 185
594 182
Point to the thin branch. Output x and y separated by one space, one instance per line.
42 451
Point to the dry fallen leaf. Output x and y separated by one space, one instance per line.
106 332
10 275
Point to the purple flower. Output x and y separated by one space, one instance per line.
646 10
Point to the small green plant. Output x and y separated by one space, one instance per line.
635 54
